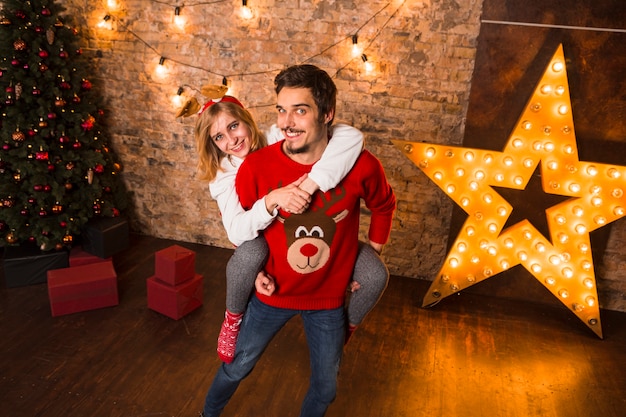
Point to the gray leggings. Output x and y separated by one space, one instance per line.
249 258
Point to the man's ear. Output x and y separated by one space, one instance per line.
329 116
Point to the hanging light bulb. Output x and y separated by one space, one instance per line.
161 70
179 20
177 100
246 13
112 4
368 65
226 83
105 23
355 46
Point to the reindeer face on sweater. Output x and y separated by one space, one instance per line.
310 235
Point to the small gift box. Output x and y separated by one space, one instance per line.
79 256
82 288
26 264
105 236
175 301
175 265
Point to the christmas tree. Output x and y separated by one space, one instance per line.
57 169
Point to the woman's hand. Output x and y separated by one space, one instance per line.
290 198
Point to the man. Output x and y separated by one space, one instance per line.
312 255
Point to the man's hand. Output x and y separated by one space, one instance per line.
264 284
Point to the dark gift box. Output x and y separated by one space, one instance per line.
175 301
105 236
26 264
78 257
82 288
175 265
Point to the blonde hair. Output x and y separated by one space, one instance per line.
210 156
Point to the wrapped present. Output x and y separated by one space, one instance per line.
175 301
175 265
105 236
82 288
79 256
26 264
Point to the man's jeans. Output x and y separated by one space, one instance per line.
325 331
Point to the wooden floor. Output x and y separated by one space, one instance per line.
469 356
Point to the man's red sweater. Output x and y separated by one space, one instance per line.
312 255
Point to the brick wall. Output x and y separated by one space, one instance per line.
423 53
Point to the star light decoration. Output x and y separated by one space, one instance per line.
544 136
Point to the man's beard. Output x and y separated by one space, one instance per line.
294 151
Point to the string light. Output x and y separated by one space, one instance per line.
247 13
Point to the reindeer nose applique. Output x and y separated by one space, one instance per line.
308 250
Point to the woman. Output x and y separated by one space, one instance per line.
225 134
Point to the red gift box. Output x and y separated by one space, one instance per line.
175 301
82 288
78 257
175 265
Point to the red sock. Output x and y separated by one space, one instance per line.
351 328
227 340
